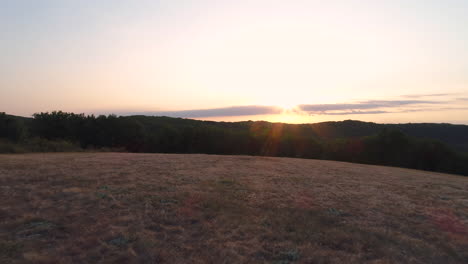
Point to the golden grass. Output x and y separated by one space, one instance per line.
157 208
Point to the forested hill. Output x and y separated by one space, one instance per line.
436 147
456 136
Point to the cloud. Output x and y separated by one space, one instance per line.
427 95
218 112
358 108
364 105
356 113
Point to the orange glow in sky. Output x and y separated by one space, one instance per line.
168 56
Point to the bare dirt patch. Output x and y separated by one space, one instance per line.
158 208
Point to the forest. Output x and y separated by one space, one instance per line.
432 147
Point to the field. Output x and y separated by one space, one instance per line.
161 208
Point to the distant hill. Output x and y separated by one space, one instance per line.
455 136
19 118
432 147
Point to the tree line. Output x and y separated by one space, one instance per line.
350 141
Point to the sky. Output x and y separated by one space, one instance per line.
296 61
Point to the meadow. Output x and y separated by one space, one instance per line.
193 208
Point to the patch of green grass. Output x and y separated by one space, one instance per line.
226 196
121 191
101 195
336 212
168 201
36 228
288 256
326 230
102 192
119 241
10 147
41 224
297 225
10 249
228 182
104 187
232 186
122 241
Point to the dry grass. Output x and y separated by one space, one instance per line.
145 208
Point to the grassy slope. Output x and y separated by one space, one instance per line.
152 208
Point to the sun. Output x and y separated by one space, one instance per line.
283 101
287 107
